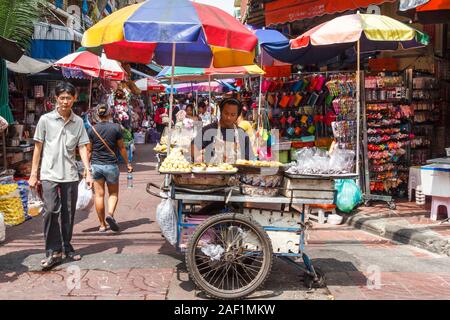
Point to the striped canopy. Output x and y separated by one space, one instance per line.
185 74
204 35
376 33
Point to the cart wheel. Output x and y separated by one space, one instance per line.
310 282
367 203
392 205
229 256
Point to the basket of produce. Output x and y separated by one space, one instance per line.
200 181
207 175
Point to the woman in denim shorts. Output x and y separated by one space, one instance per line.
106 141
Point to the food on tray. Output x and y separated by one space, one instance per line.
257 163
204 167
175 162
160 148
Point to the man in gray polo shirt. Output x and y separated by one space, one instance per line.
58 134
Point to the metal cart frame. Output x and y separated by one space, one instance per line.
185 196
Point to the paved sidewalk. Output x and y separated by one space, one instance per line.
139 264
408 223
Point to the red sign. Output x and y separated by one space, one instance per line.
282 11
383 64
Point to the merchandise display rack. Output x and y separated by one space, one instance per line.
387 116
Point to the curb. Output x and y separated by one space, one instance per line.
423 238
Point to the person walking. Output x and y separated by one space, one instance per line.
106 141
57 135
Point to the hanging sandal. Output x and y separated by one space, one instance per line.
51 261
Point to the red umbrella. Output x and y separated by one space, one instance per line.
150 84
93 65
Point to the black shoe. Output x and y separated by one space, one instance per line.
112 224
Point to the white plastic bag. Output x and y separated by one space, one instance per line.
85 196
167 219
2 228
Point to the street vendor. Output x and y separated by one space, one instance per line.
226 145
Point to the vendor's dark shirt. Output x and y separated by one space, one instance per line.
111 133
206 137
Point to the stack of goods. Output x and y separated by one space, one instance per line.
381 88
175 163
427 114
388 133
11 204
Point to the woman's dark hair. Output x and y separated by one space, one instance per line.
67 87
201 104
103 110
190 105
231 101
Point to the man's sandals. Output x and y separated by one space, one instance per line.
51 261
55 259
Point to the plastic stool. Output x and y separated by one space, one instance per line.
414 180
436 202
321 209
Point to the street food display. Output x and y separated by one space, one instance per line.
175 163
213 168
258 163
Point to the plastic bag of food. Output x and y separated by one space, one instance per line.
85 196
11 204
167 219
348 196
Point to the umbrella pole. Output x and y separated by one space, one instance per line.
90 94
358 103
209 92
174 47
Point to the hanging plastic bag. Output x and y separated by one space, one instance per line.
2 228
167 219
349 195
85 197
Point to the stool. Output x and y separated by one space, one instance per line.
321 209
414 180
436 202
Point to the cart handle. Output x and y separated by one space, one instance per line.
150 185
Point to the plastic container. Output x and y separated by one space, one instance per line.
2 228
334 219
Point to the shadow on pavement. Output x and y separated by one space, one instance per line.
13 263
125 225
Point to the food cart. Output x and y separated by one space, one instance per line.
230 246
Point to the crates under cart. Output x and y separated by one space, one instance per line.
311 187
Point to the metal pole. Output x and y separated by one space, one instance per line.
90 93
5 161
174 47
209 93
358 104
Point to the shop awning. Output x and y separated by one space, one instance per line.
282 11
426 11
10 50
28 65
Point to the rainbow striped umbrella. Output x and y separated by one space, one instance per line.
373 33
203 35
